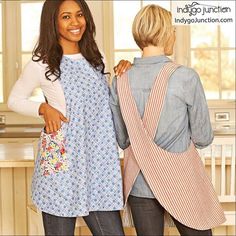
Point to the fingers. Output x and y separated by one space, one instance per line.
117 68
52 118
122 67
63 118
52 126
56 126
47 130
126 66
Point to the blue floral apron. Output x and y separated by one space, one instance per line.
77 169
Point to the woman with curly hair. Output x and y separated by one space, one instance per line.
77 171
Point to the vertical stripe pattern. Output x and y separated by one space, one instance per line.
178 180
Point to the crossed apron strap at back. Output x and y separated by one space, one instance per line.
178 180
155 101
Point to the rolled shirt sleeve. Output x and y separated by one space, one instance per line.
199 119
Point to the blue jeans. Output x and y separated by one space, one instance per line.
148 216
100 223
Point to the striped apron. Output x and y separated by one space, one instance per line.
178 180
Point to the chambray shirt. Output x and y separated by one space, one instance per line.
184 116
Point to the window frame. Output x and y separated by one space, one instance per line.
9 53
218 49
11 40
181 55
12 56
108 34
3 47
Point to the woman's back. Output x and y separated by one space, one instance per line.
167 176
184 114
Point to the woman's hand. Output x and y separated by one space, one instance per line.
122 67
52 118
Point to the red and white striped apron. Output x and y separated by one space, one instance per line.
178 180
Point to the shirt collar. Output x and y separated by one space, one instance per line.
150 60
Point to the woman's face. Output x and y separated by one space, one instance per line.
71 23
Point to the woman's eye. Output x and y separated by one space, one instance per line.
80 15
66 17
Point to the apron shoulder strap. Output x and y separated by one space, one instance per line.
154 104
156 98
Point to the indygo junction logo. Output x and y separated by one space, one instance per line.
187 12
197 8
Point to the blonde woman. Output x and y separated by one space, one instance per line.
161 116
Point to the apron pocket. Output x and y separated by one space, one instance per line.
53 157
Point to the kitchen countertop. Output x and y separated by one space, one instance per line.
20 131
20 135
33 131
16 155
224 134
22 154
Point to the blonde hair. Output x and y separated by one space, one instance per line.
152 26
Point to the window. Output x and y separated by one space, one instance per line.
212 54
20 30
29 37
209 49
124 13
29 29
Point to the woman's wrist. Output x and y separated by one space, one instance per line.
42 108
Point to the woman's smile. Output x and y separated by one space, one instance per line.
75 31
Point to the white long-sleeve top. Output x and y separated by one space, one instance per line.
33 76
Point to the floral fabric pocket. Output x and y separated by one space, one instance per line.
53 157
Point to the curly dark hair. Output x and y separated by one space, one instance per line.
49 51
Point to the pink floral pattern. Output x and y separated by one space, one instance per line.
52 153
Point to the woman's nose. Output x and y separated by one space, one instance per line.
75 21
